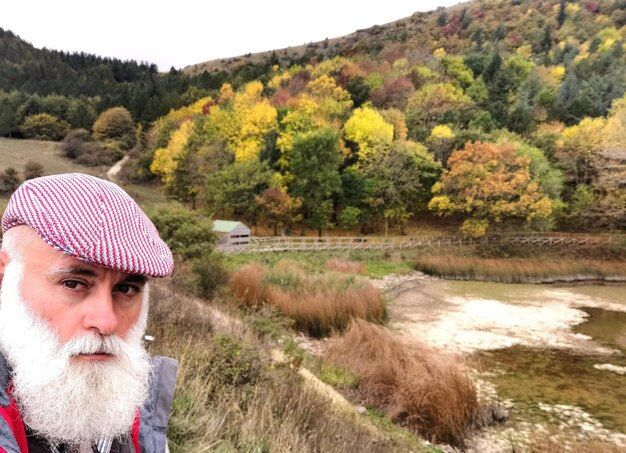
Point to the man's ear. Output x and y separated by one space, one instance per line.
4 260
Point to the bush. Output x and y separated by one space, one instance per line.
210 274
74 142
419 387
318 304
115 124
188 234
32 170
77 145
9 181
43 126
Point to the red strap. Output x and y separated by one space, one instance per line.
12 416
134 433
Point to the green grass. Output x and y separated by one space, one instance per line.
377 264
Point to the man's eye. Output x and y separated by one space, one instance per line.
129 290
71 284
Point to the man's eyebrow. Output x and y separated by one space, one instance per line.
135 278
73 270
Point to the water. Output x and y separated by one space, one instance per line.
539 344
532 377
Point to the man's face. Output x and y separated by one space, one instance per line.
71 333
76 298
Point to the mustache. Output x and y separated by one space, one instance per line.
93 344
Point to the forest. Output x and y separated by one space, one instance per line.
493 114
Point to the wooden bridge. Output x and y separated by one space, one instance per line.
378 243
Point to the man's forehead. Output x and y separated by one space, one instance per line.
66 265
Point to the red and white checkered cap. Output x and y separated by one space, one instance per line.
91 219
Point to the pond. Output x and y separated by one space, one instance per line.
555 354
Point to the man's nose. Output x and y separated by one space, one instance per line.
100 313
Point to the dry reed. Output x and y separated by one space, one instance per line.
346 266
521 270
419 387
229 397
318 304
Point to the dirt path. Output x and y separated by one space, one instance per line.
115 169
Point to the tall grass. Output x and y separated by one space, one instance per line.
519 270
230 397
318 303
343 265
419 387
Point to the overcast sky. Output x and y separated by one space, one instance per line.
183 32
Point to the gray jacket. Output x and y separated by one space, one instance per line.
154 414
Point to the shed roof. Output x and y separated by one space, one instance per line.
226 226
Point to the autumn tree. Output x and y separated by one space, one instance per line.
279 208
428 105
115 124
489 183
43 126
441 142
400 180
578 148
369 131
243 119
165 159
315 161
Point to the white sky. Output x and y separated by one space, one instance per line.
183 32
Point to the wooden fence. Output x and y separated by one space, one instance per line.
313 244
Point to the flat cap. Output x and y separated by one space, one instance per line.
90 219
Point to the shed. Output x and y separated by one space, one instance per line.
230 232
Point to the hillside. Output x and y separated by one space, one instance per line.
76 87
328 48
501 114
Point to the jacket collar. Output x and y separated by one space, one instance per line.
5 375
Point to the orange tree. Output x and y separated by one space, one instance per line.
489 183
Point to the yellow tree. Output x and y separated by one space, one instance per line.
165 159
578 148
322 104
441 142
242 120
614 133
331 101
428 104
489 183
371 133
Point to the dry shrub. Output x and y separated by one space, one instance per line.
317 304
520 270
247 284
347 266
420 388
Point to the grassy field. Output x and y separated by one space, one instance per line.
15 153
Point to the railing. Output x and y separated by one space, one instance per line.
307 244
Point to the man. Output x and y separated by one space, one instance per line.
74 375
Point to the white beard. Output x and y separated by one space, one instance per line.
67 401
